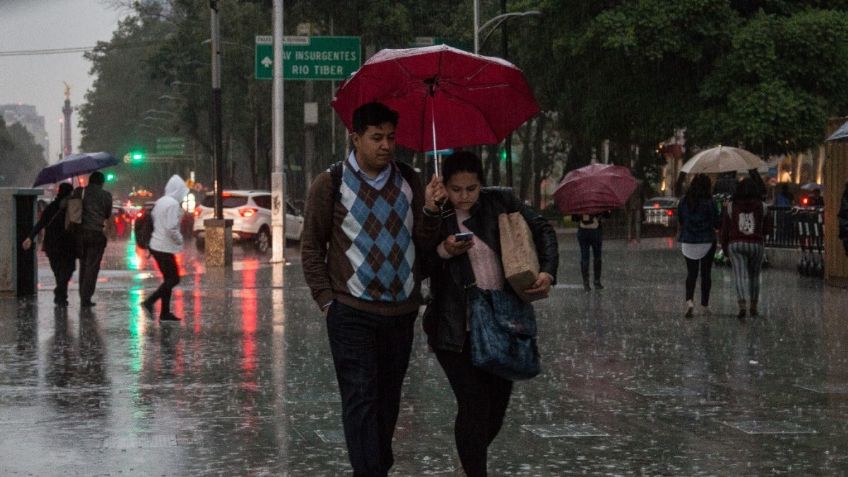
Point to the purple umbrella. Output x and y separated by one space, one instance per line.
74 165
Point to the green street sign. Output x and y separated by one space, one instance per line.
174 146
309 57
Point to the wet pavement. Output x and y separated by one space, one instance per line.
245 385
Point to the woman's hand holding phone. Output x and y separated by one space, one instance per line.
457 246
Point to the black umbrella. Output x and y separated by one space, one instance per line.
74 165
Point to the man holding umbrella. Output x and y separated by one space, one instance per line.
364 219
96 210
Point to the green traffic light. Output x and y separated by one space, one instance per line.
503 154
110 177
137 156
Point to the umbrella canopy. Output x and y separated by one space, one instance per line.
74 165
812 186
445 97
840 134
594 189
722 159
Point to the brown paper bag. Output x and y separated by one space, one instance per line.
518 253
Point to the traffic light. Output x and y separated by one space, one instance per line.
502 154
110 177
137 156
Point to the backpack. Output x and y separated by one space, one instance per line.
143 228
73 210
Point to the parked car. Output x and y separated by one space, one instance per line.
660 211
250 211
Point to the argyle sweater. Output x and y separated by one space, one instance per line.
359 245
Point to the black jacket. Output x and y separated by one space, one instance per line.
56 239
843 215
96 207
445 317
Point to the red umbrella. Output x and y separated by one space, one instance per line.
594 189
446 97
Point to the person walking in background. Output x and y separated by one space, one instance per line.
590 237
743 231
365 220
784 199
633 209
699 219
96 210
166 241
843 219
482 398
58 243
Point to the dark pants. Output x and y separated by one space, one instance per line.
167 263
704 266
92 245
370 354
589 239
63 266
481 400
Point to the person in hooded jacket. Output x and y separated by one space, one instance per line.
743 231
165 243
58 243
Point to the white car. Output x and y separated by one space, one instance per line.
250 211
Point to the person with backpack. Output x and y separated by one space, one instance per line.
58 243
364 224
743 230
165 242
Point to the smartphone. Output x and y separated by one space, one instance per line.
463 236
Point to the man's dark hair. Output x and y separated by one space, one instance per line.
462 161
373 114
746 189
96 177
65 190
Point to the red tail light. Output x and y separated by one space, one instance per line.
669 212
197 211
140 214
247 212
805 201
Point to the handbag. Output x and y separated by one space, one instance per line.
518 253
503 334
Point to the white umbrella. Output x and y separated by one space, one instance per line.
722 159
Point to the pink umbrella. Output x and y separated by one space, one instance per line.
594 189
446 97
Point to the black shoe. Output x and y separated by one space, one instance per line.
88 304
148 306
741 314
169 317
690 312
586 287
60 303
598 286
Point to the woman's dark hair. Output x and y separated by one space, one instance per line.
746 189
700 189
65 190
462 161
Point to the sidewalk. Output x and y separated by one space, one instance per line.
245 384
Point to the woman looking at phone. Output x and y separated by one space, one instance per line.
458 261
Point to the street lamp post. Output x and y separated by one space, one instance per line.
494 23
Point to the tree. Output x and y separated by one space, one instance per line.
20 156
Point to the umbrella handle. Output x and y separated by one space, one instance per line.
437 159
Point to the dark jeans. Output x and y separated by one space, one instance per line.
370 354
167 263
589 239
92 245
481 399
63 266
704 266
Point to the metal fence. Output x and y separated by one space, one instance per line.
796 227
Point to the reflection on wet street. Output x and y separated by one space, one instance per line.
244 385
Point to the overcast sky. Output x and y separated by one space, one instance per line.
37 79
